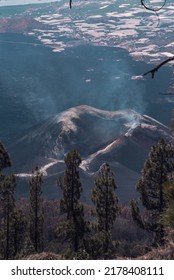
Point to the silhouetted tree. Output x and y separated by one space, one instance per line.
73 227
106 210
19 231
7 204
35 212
7 199
4 158
155 174
168 216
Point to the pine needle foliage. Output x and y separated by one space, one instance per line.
168 216
36 211
156 172
4 158
106 210
7 200
19 231
73 226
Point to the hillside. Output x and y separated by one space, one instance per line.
163 253
121 138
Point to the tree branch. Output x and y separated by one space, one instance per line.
151 9
152 72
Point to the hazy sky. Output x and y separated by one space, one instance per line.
21 2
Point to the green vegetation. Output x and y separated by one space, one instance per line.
167 218
4 158
74 230
7 206
7 189
106 210
155 174
73 226
35 213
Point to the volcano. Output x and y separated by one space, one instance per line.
120 138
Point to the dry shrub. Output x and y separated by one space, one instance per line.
43 256
165 252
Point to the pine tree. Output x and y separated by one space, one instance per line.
4 158
35 213
73 227
7 204
167 218
19 226
155 174
106 210
7 198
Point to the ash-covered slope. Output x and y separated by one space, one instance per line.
120 138
132 146
84 128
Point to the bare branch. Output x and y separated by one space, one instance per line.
152 9
152 72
